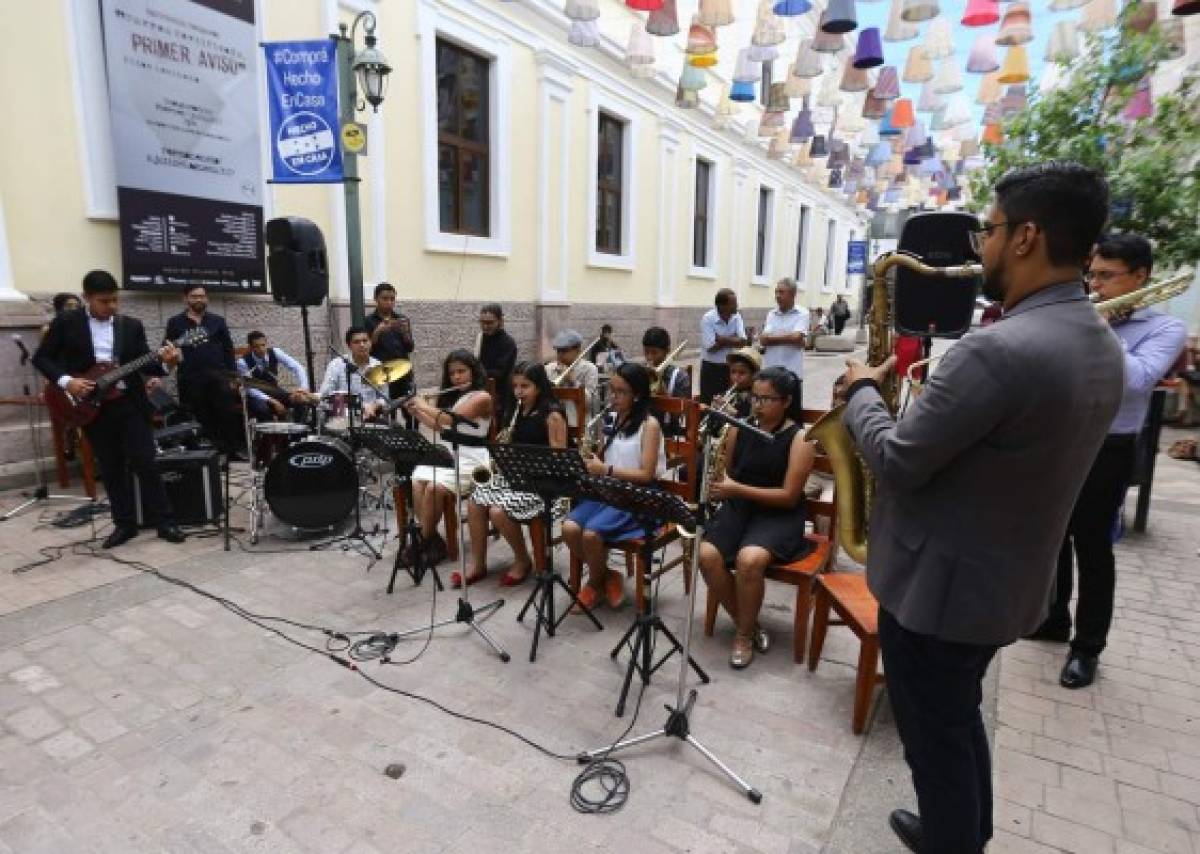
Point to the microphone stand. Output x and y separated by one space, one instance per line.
41 492
466 612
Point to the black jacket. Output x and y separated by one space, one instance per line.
207 361
67 350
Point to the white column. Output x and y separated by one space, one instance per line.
555 82
668 146
8 287
741 172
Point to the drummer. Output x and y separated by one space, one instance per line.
341 376
268 400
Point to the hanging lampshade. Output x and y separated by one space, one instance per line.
958 112
1017 26
692 78
663 21
918 68
874 107
854 79
583 34
770 124
887 85
808 61
818 149
1185 7
840 17
1141 16
1063 44
742 90
777 99
902 116
915 11
981 13
779 146
715 13
992 113
644 5
968 148
723 115
869 135
825 42
1140 106
939 38
948 79
1016 66
769 30
1066 5
791 8
937 120
898 29
886 128
1098 15
880 154
915 135
829 96
801 158
1015 99
745 70
701 41
983 58
992 135
931 166
686 99
912 156
582 10
642 71
797 87
802 126
929 101
1174 37
640 48
868 52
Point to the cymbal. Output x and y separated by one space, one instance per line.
389 372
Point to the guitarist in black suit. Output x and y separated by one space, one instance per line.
121 434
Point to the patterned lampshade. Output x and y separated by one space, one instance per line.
1017 26
887 85
663 21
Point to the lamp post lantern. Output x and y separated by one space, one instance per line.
368 68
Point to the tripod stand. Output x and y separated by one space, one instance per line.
466 613
41 492
549 472
357 535
678 724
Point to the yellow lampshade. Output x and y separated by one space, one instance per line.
1016 66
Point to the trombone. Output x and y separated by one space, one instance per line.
561 378
656 380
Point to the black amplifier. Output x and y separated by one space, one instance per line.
193 483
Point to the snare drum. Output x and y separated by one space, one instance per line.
271 437
336 410
313 483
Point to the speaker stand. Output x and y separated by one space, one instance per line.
308 349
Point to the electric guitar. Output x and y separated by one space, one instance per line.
75 411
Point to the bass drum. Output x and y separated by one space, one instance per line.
313 483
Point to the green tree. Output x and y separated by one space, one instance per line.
1152 164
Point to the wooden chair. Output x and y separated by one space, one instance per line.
682 459
846 594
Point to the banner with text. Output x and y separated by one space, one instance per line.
856 257
183 100
302 93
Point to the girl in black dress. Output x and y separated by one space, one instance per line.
540 421
761 519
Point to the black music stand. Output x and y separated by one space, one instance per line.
551 473
652 507
407 449
678 724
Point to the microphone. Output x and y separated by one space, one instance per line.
21 346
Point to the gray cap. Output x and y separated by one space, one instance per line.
567 339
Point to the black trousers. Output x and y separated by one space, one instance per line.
124 442
935 691
839 323
1089 537
216 408
714 380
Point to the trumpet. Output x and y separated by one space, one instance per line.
561 378
656 380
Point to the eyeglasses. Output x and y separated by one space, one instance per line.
765 398
982 232
1104 275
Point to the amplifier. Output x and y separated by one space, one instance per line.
193 483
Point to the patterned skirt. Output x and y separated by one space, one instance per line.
520 506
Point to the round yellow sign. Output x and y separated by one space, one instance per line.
354 137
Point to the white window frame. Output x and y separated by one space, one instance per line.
831 231
603 101
769 239
713 159
433 26
803 228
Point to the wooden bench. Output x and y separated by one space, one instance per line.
846 594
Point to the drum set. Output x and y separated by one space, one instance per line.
309 476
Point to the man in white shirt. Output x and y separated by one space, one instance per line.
341 376
721 332
262 363
783 334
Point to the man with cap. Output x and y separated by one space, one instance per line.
568 345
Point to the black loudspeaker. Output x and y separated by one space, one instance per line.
296 261
931 305
193 483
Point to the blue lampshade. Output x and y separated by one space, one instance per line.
741 90
839 17
869 51
792 7
879 154
886 128
931 166
912 157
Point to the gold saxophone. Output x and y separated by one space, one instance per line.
481 475
589 442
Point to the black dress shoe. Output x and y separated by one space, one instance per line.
1079 671
1049 632
121 534
908 827
171 534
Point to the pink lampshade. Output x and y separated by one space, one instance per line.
644 5
663 21
981 13
983 58
874 107
1140 106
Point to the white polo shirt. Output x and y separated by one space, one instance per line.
711 325
786 355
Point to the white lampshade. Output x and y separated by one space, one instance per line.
746 71
808 61
715 13
939 38
769 29
898 29
640 48
948 79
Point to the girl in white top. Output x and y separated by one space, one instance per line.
462 372
634 452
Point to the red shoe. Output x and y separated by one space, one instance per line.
456 579
614 589
588 597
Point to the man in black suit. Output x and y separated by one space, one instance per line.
205 370
121 433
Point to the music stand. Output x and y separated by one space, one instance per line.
678 724
407 449
551 473
652 507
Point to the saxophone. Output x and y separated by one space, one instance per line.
481 475
589 442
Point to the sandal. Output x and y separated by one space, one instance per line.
588 597
510 580
742 653
614 589
456 579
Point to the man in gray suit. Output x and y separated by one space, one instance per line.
975 486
